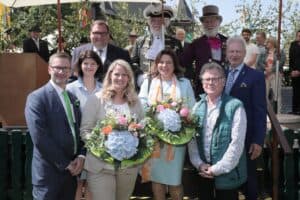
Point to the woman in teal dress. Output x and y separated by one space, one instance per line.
165 167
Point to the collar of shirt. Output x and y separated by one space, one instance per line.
218 101
238 68
80 84
35 40
57 88
59 91
103 54
104 49
156 36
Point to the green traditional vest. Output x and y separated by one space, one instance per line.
221 139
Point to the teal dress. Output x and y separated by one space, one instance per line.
163 170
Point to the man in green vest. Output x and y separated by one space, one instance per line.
217 150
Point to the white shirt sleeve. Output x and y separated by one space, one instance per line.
235 149
143 94
194 154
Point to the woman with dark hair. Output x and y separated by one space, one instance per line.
166 82
88 68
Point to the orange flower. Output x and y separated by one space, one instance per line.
166 105
107 130
134 126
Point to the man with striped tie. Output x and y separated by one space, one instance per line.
248 85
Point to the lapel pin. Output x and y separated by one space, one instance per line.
243 85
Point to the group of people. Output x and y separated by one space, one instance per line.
230 113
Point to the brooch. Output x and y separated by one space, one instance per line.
243 85
77 103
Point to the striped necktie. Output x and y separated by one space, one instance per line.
230 81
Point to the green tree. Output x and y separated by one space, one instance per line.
253 15
46 18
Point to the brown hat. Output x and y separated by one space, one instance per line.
154 10
210 10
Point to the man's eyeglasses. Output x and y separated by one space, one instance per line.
212 80
100 33
61 68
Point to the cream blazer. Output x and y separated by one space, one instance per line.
92 112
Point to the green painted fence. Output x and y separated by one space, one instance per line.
16 154
15 165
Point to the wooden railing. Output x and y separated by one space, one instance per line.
278 138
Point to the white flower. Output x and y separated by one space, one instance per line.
121 145
170 119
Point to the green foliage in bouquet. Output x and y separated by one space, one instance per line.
171 122
120 142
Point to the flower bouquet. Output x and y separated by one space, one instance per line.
120 141
171 122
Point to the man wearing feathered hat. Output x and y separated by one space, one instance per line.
148 46
34 44
207 48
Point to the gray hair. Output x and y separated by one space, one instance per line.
212 66
236 39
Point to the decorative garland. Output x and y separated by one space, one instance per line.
107 139
171 122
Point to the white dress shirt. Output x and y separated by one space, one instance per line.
103 54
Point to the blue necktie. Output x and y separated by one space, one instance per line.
230 81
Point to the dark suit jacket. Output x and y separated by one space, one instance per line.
199 52
51 136
294 53
113 53
29 46
185 45
250 88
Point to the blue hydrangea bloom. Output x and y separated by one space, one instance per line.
121 144
170 119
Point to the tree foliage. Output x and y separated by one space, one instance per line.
46 17
258 17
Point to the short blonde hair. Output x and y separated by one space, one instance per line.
129 92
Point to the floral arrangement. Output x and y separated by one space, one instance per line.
170 121
120 141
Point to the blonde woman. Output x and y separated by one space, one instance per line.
117 96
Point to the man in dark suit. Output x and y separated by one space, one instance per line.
294 53
99 36
180 35
248 85
53 119
36 45
207 48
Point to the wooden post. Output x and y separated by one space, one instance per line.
59 25
275 165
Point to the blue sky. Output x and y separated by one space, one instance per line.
227 8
